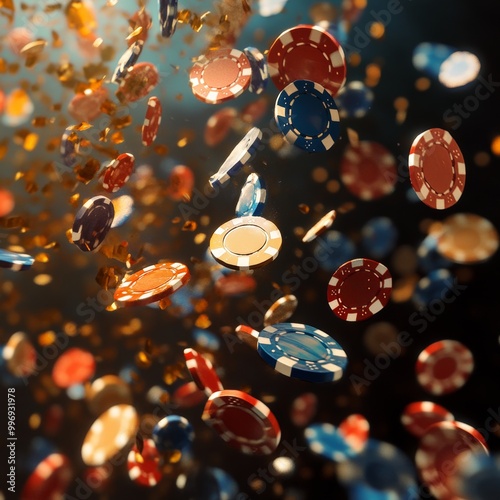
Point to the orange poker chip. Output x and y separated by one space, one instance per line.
74 366
219 125
152 284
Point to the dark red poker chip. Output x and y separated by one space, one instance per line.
202 371
118 172
304 408
419 416
144 467
355 429
152 121
244 422
358 289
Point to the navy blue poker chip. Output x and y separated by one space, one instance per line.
68 148
478 477
260 72
173 433
307 116
92 223
127 60
379 237
326 440
433 287
354 100
381 467
429 259
252 198
167 16
332 249
15 261
302 351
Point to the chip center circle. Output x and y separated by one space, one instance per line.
466 238
438 169
309 115
245 240
220 73
312 62
359 289
444 367
304 347
242 422
152 280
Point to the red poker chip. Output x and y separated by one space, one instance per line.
143 468
220 75
138 82
444 367
140 19
219 125
49 480
180 183
355 429
73 366
118 172
255 111
307 52
188 395
437 169
202 371
235 284
87 107
244 422
359 289
368 170
419 416
304 408
152 121
439 452
248 335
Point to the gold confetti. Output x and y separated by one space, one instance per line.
304 208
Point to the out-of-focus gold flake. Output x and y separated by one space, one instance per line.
200 238
184 16
164 303
103 134
172 457
137 31
353 137
42 279
482 159
86 173
65 72
190 226
57 43
346 207
422 84
495 145
34 421
47 338
42 121
108 53
304 208
73 200
7 9
142 360
373 74
161 149
203 321
108 277
377 30
323 11
121 122
4 147
80 17
95 71
333 186
31 51
172 373
42 257
117 138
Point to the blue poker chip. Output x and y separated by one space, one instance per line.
379 237
327 441
92 223
167 16
332 249
354 100
206 339
302 351
432 287
15 261
68 148
252 198
260 72
238 158
429 259
307 116
478 477
127 60
173 433
380 466
226 485
363 492
428 57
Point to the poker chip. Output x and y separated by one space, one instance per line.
144 466
138 82
419 416
358 289
140 19
118 172
437 169
244 422
478 476
354 100
152 121
180 183
20 355
252 198
107 391
378 335
206 339
320 227
167 17
439 452
432 288
327 441
444 367
260 72
302 351
379 237
307 52
202 371
304 408
74 366
124 206
86 107
92 223
219 125
380 466
109 434
246 243
281 310
368 170
238 158
127 60
467 239
429 258
188 395
235 285
68 148
49 480
459 69
332 250
355 429
152 284
307 116
15 261
173 433
220 75
248 335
